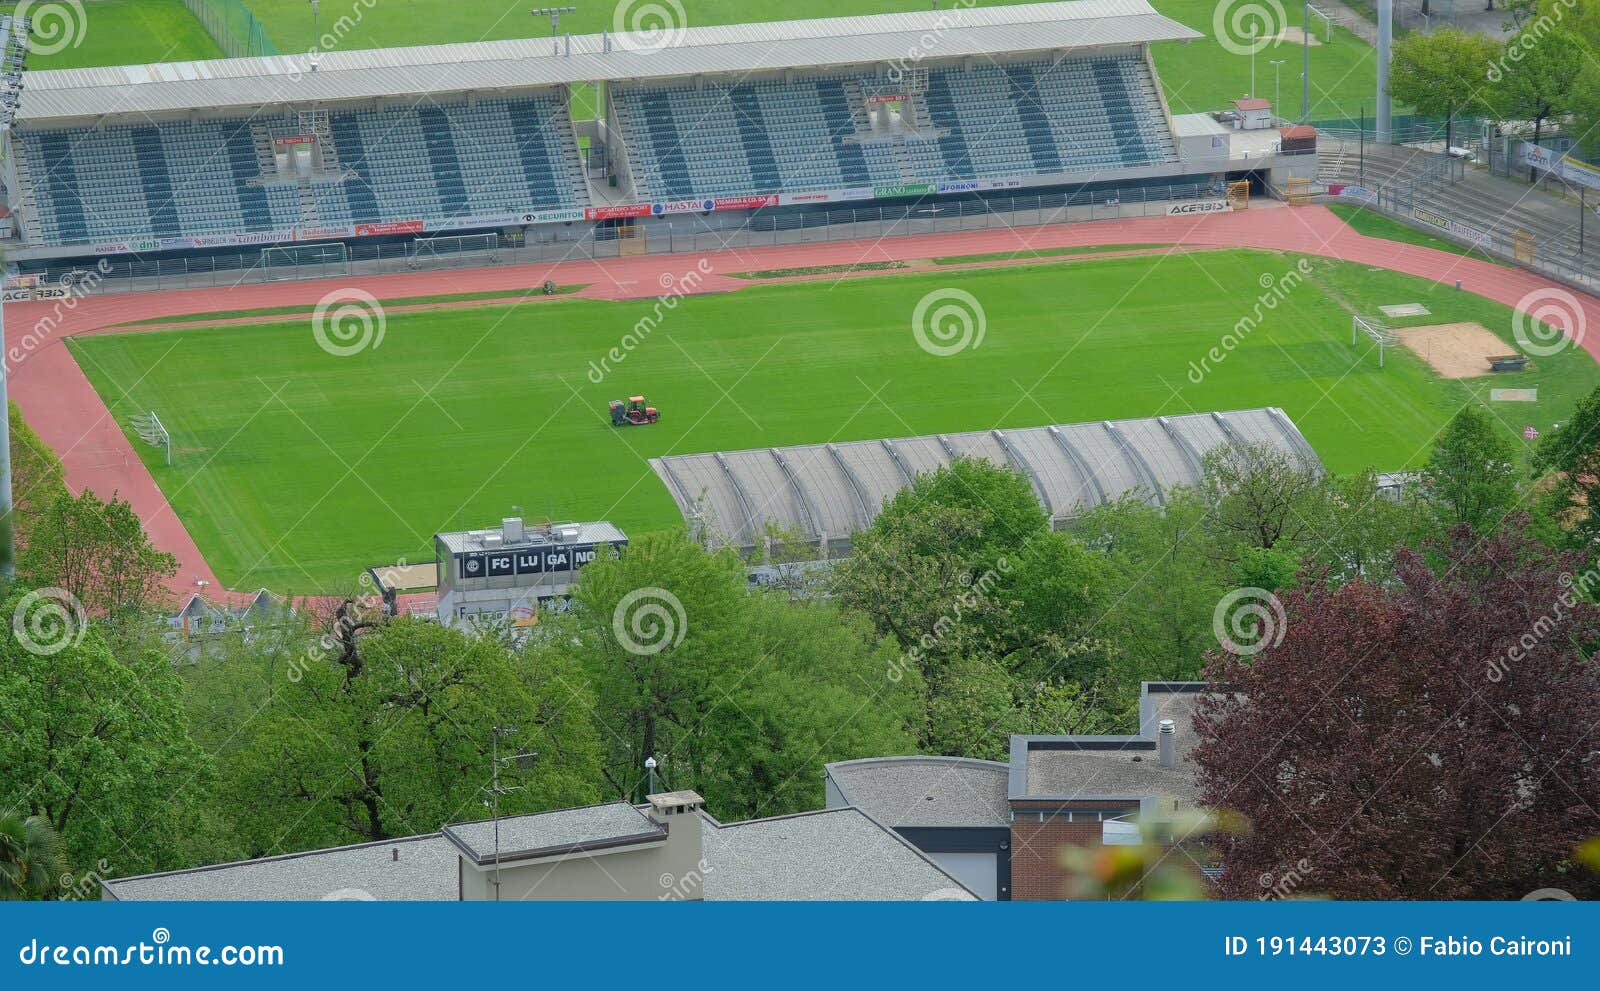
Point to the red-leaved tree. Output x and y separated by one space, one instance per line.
1434 738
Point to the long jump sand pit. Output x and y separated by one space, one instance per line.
1454 350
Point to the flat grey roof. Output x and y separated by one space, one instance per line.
247 83
832 490
418 868
560 535
591 828
833 855
1094 767
925 791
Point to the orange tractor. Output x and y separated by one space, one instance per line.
633 413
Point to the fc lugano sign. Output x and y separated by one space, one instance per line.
532 561
1194 207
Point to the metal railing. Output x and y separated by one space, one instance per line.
681 234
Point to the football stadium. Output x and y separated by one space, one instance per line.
314 313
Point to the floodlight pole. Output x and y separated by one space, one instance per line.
13 39
554 13
1305 74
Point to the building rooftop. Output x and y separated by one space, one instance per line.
925 791
419 868
590 828
829 491
1096 767
1252 104
247 83
832 855
521 536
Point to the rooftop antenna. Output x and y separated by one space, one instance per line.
523 760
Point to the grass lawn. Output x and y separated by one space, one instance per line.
1198 76
117 32
294 468
1087 249
1374 224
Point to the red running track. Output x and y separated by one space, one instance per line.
65 411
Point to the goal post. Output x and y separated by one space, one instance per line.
1373 329
283 262
151 430
445 246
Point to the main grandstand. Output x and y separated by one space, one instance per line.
705 123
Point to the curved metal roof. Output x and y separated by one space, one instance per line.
487 66
828 491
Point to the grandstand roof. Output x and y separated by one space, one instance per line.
905 39
828 491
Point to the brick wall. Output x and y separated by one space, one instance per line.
1036 873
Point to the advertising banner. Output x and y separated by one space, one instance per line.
902 189
1455 227
683 206
1562 166
617 212
745 202
390 227
1196 207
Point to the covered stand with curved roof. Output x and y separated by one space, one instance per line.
826 492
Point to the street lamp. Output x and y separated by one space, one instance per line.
1277 85
14 49
554 13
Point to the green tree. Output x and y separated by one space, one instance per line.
1537 78
1166 579
741 695
1354 528
1443 73
96 744
98 552
1569 456
393 736
31 859
1258 496
1472 474
36 476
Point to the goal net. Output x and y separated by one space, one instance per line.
150 430
442 249
301 261
1375 330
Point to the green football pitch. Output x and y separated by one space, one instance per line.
114 32
1197 76
294 468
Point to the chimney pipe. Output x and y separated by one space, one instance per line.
1167 743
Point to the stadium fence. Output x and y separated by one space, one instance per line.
457 249
235 29
687 233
